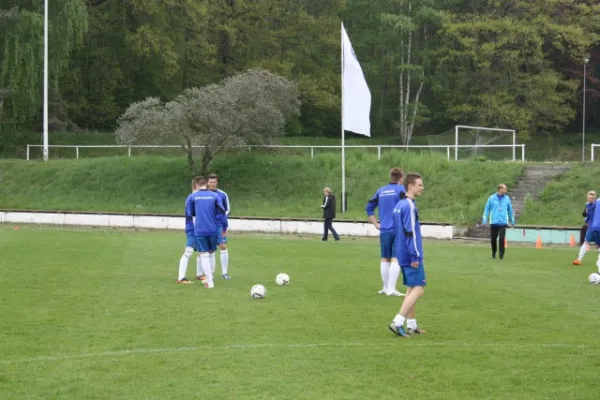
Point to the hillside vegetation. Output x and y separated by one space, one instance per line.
265 185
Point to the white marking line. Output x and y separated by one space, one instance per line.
410 342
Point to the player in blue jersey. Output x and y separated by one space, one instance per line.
409 254
498 213
209 212
213 182
385 200
588 214
189 245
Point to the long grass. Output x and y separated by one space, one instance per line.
266 185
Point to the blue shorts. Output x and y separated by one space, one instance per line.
206 244
412 277
220 238
592 236
191 242
387 241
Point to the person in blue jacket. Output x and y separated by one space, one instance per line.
498 213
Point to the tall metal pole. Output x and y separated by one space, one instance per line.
45 126
343 141
585 61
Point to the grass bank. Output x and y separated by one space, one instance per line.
266 185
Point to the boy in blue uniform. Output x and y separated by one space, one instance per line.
213 181
409 254
209 212
385 199
593 233
499 214
189 245
588 214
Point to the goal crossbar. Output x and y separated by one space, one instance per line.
483 128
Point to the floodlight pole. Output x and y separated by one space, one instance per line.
585 61
45 123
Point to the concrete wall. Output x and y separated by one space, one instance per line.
546 235
235 224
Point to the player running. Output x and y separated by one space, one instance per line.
588 214
386 199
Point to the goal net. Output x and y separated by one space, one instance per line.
464 142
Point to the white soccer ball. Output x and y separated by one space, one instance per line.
282 279
594 278
258 292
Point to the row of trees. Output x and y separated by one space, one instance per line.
429 63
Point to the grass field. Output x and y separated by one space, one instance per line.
93 314
264 186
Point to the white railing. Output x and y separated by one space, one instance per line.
594 145
312 148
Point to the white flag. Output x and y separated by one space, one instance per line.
356 97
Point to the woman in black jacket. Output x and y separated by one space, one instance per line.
328 214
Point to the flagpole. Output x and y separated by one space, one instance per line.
343 144
45 123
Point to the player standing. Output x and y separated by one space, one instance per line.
409 254
189 245
588 214
209 212
498 213
386 199
213 182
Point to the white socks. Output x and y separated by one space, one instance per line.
411 324
385 274
394 273
205 261
199 271
224 261
399 320
213 262
183 263
582 251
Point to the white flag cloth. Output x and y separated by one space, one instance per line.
356 97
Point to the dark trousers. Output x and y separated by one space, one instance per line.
328 226
498 232
582 233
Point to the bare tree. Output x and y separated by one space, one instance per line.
244 109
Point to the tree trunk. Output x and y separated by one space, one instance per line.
206 159
188 152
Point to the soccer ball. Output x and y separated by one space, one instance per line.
594 278
258 292
282 279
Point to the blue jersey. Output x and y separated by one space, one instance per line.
589 212
208 210
189 221
409 243
225 200
385 199
595 219
498 210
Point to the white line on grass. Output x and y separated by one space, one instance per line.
243 346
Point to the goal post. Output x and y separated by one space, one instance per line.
457 129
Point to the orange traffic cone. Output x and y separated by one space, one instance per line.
538 243
505 243
572 242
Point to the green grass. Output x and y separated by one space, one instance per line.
94 314
266 185
563 200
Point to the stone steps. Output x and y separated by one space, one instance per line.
530 185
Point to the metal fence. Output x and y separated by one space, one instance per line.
449 149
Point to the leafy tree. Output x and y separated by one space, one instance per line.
245 109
